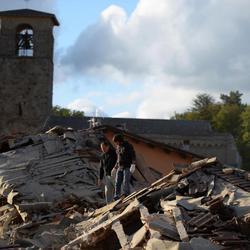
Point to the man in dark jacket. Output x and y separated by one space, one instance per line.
125 158
107 163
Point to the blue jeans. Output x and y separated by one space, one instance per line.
122 177
109 189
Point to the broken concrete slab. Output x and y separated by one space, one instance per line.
156 244
190 203
123 238
138 237
163 225
201 243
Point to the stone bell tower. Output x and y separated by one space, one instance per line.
26 69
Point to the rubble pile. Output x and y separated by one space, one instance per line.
49 200
47 182
200 206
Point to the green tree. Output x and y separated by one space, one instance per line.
202 102
203 108
229 115
244 143
188 115
245 117
77 113
234 98
65 112
228 119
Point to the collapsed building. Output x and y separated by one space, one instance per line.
48 193
42 175
50 199
200 206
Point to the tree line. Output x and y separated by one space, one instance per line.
65 112
228 115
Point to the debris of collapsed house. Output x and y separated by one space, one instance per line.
49 199
45 179
47 182
201 206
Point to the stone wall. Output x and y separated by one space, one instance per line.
25 82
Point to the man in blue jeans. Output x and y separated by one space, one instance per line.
125 157
107 163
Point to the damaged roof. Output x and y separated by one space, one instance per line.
149 142
191 208
138 126
49 200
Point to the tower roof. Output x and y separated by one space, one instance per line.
29 13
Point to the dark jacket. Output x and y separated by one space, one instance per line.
107 162
125 154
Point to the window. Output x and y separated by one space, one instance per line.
186 145
25 46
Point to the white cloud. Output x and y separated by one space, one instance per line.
121 99
173 50
115 17
124 114
87 107
161 101
206 41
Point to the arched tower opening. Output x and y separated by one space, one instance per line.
25 41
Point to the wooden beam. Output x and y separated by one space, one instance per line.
179 225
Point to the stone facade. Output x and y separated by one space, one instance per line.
26 82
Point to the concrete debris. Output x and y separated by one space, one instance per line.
47 182
194 217
49 200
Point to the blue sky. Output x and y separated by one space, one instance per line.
75 17
146 58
